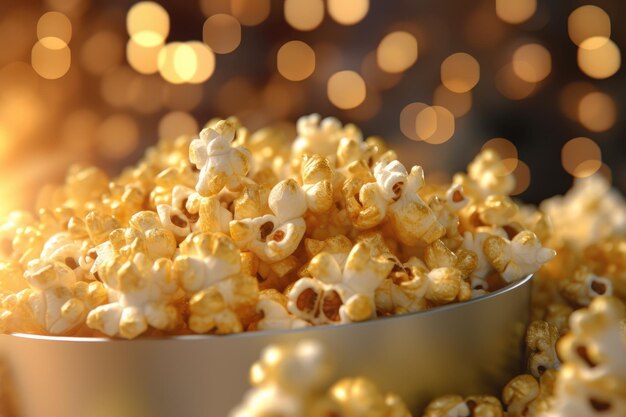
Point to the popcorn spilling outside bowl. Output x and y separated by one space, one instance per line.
296 381
232 231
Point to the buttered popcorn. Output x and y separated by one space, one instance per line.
237 231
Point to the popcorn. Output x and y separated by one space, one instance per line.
142 293
524 396
592 380
486 175
516 258
541 338
447 212
316 137
359 397
457 406
317 177
584 286
274 237
339 293
220 164
272 306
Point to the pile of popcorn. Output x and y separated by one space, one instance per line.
234 231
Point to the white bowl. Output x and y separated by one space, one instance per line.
467 348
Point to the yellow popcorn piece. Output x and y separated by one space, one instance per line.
541 338
272 307
317 180
457 406
524 396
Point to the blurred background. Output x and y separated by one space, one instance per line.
96 82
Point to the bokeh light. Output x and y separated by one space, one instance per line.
304 15
408 119
143 59
397 52
581 157
204 62
532 62
348 12
222 33
375 77
250 12
295 60
148 23
597 111
570 96
54 30
50 63
434 125
507 151
522 178
177 123
599 57
460 72
457 103
515 11
586 22
117 136
346 89
511 86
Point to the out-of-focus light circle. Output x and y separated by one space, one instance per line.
458 103
599 57
511 86
586 22
250 12
570 96
507 151
177 123
375 77
54 30
304 15
408 120
295 60
101 52
515 11
597 111
50 63
397 52
222 33
368 109
434 125
346 89
580 155
532 62
204 62
166 62
117 136
348 12
460 72
143 59
522 178
148 23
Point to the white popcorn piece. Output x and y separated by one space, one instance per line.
339 293
516 258
592 379
474 241
581 287
220 164
142 293
274 237
486 175
316 136
272 306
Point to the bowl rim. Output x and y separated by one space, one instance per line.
332 327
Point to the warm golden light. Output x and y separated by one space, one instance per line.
460 72
115 86
148 23
348 12
511 86
586 22
50 63
597 111
532 62
250 12
515 11
522 178
117 137
177 123
222 33
204 62
102 52
181 96
143 59
397 52
507 151
375 77
304 15
570 97
580 156
458 103
79 130
54 30
599 57
408 119
346 89
434 125
295 60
